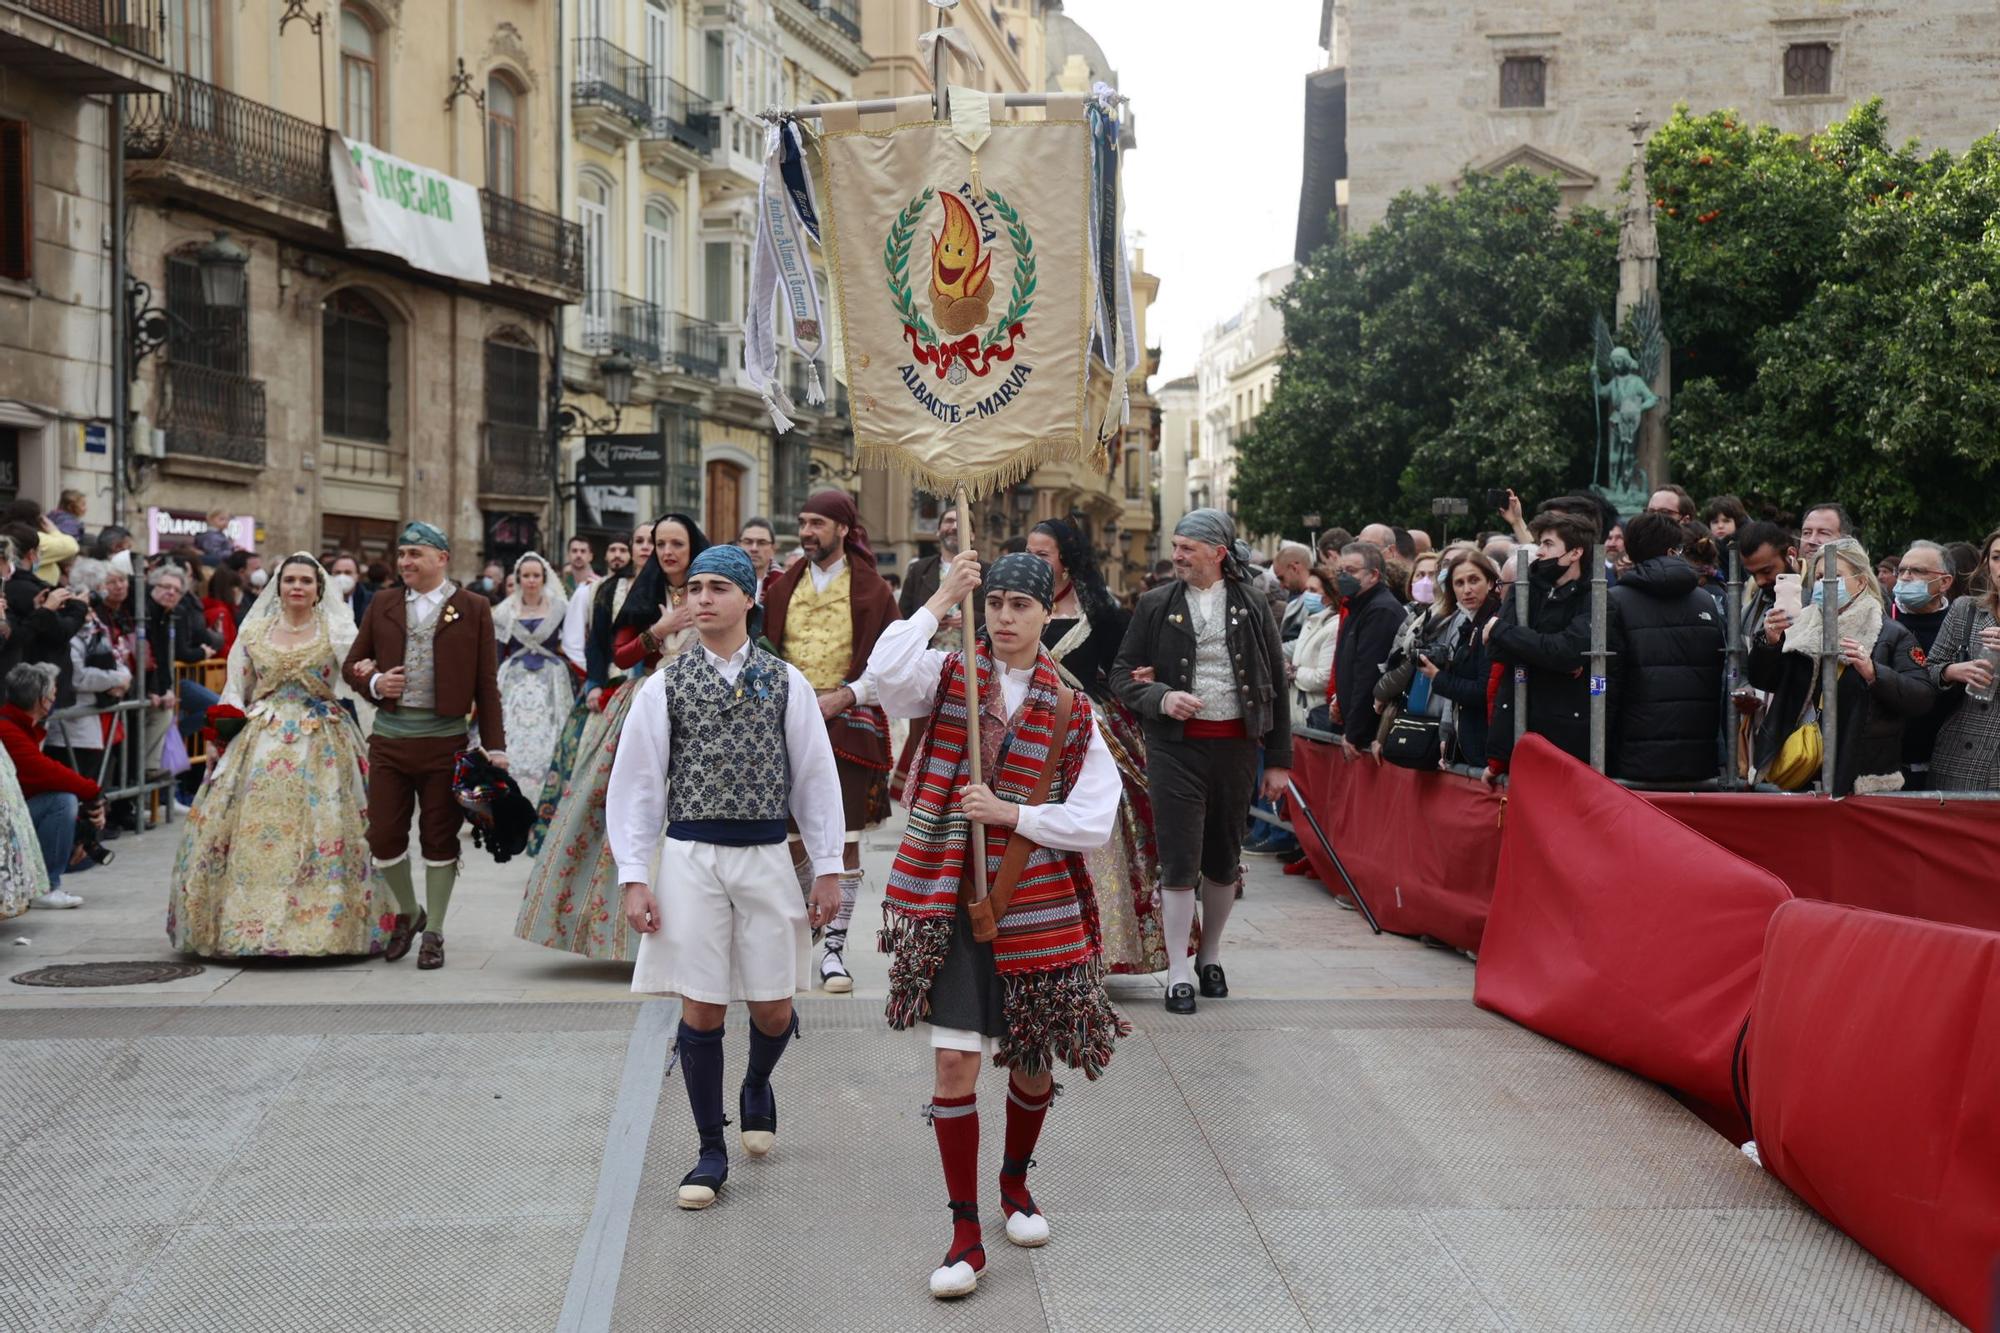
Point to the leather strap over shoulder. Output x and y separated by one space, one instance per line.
1015 858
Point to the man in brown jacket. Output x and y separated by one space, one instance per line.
427 658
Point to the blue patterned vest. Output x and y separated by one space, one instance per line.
729 771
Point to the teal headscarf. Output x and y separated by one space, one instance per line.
419 533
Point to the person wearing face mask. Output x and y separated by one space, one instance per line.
1552 648
1431 622
1882 681
1423 579
1920 601
1374 615
1312 652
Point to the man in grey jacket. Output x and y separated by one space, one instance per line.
1202 667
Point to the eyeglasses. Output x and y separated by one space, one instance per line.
1907 573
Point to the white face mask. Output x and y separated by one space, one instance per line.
343 584
258 578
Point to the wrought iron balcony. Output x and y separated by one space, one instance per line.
214 414
132 24
514 460
844 15
681 115
614 322
694 346
532 242
609 76
251 145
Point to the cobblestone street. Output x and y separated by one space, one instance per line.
1346 1143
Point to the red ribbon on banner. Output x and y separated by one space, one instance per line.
966 351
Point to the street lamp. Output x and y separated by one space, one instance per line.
223 263
616 372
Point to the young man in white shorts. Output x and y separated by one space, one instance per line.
721 746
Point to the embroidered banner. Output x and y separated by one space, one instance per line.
412 212
963 282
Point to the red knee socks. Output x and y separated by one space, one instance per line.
1025 1113
956 1120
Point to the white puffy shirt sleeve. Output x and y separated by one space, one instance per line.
815 799
576 626
904 668
635 806
1084 820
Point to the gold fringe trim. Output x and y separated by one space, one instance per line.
980 484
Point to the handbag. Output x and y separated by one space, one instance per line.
985 913
1800 759
1412 742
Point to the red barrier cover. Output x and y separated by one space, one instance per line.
1875 1089
1891 854
1619 931
1421 846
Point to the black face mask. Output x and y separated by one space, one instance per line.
1348 585
1545 569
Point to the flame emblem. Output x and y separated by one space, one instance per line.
961 287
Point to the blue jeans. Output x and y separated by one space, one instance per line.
196 700
54 815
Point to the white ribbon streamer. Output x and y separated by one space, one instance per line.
781 254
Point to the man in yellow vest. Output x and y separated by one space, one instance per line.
823 616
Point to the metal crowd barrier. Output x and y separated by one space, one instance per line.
121 764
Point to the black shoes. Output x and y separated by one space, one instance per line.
1180 998
1214 986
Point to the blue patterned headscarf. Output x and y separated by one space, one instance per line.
419 533
731 562
1024 573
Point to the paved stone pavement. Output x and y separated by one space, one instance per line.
1346 1143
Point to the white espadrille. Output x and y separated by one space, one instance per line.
1028 1230
954 1280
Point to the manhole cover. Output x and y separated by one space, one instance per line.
108 974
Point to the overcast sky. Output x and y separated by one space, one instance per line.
1213 190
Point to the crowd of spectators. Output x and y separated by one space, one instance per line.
1412 655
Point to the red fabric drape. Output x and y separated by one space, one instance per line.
1875 1089
1638 942
1421 846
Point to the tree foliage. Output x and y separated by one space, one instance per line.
1831 302
1443 352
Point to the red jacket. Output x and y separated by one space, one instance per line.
38 773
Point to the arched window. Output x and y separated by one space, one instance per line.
503 137
593 210
359 115
355 364
661 270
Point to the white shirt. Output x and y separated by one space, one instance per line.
907 671
823 578
576 626
635 809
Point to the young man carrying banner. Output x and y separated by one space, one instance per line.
1017 975
823 616
720 746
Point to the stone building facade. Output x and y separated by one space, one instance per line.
1430 91
61 72
663 157
349 389
1234 375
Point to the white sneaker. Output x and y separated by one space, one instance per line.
953 1280
1028 1230
56 899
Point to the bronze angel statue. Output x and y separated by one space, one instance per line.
1624 386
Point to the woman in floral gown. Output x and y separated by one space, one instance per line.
275 858
535 693
1085 628
572 901
607 599
23 878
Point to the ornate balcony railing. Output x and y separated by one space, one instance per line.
614 322
694 346
844 15
681 115
514 460
132 24
607 75
531 241
214 414
247 143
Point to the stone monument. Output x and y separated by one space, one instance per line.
1633 389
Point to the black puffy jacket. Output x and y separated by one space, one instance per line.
1665 707
1554 649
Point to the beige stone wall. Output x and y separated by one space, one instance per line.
1423 79
55 327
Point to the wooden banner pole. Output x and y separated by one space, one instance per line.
977 850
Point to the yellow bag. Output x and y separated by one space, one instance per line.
1799 759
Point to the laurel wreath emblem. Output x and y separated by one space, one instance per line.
896 261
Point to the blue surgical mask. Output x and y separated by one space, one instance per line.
1314 603
1819 595
1912 594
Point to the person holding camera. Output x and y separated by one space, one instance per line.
57 797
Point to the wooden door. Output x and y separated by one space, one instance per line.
725 501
